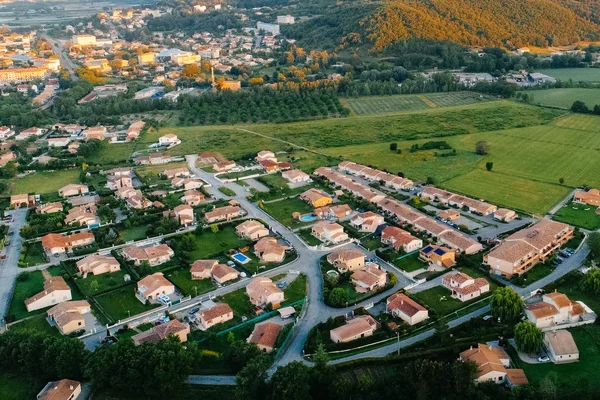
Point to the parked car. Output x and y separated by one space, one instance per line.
281 284
543 359
194 310
559 260
3 256
11 233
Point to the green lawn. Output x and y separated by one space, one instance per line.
211 244
134 233
112 153
153 170
580 215
93 284
306 235
183 280
535 274
126 335
24 290
44 182
226 191
282 210
410 263
37 324
239 302
564 98
372 243
120 303
295 290
14 387
145 327
35 254
575 74
439 300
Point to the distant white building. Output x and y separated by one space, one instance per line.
270 28
84 40
285 19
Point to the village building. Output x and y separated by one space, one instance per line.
401 306
329 232
264 336
192 197
561 346
73 189
493 365
153 255
162 332
400 239
316 198
82 216
226 213
355 328
262 291
65 389
505 215
438 255
97 264
251 230
176 172
152 286
367 221
49 208
55 291
68 316
295 176
465 288
333 212
345 260
54 243
555 309
217 314
269 250
221 273
591 197
369 278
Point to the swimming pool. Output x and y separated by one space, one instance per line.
241 258
308 218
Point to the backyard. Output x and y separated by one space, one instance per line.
581 215
182 278
239 302
410 263
93 284
282 210
121 303
27 284
37 324
307 236
210 244
34 254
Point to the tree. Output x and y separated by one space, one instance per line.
393 146
106 213
430 180
291 382
214 228
442 332
594 244
338 297
251 380
187 242
591 281
561 180
579 107
190 71
489 165
482 148
506 304
529 338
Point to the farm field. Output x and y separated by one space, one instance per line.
44 182
564 98
576 74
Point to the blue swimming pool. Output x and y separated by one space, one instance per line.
308 218
241 258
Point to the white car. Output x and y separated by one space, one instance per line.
543 359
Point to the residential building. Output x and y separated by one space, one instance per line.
84 40
153 255
169 139
73 147
400 239
329 232
55 291
215 315
458 201
73 189
449 215
262 291
59 142
367 221
186 183
22 200
438 255
265 155
520 251
94 132
295 176
19 75
152 286
184 214
82 216
175 172
54 243
145 58
591 197
561 346
226 213
355 328
134 131
251 230
345 260
459 242
465 288
401 306
97 264
221 273
554 309
505 215
333 212
223 166
65 389
493 363
192 197
316 198
68 316
162 332
369 278
269 250
265 336
119 172
49 208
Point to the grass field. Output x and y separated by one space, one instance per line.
37 324
113 153
239 302
282 210
183 280
576 74
146 170
564 98
35 254
93 284
14 387
133 233
120 303
24 289
410 263
44 182
211 244
580 215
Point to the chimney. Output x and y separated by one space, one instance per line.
471 347
71 387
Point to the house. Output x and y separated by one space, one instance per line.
65 389
59 142
22 200
554 309
119 172
520 251
151 286
169 140
126 192
505 215
82 215
345 260
5 132
269 165
29 132
55 291
262 291
68 316
186 183
134 130
295 176
114 182
561 346
369 278
94 132
54 243
334 212
316 198
174 172
7 157
73 189
251 230
493 363
367 221
204 269
401 306
192 197
459 242
226 213
269 250
97 264
184 214
215 315
329 232
438 255
463 287
264 336
399 238
449 215
49 208
265 155
73 147
591 197
154 255
162 332
223 166
355 328
138 201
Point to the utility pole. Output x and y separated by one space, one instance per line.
398 337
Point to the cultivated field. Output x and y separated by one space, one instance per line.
576 74
564 98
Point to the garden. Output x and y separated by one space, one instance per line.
282 210
581 215
120 304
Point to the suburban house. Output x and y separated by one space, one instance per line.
329 232
561 346
94 132
493 365
162 332
465 288
73 147
262 291
138 201
316 198
153 255
134 130
458 201
175 172
55 291
345 260
591 197
520 251
505 215
554 309
169 140
119 172
223 166
83 200
368 278
401 306
226 213
125 192
215 315
97 264
151 286
192 197
438 255
265 155
186 183
251 230
333 212
367 221
399 238
57 244
355 328
460 242
68 316
449 215
264 336
204 269
355 188
269 250
184 214
73 189
295 176
65 389
82 215
59 142
117 182
22 200
393 181
49 208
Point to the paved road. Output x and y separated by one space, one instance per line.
65 61
8 267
